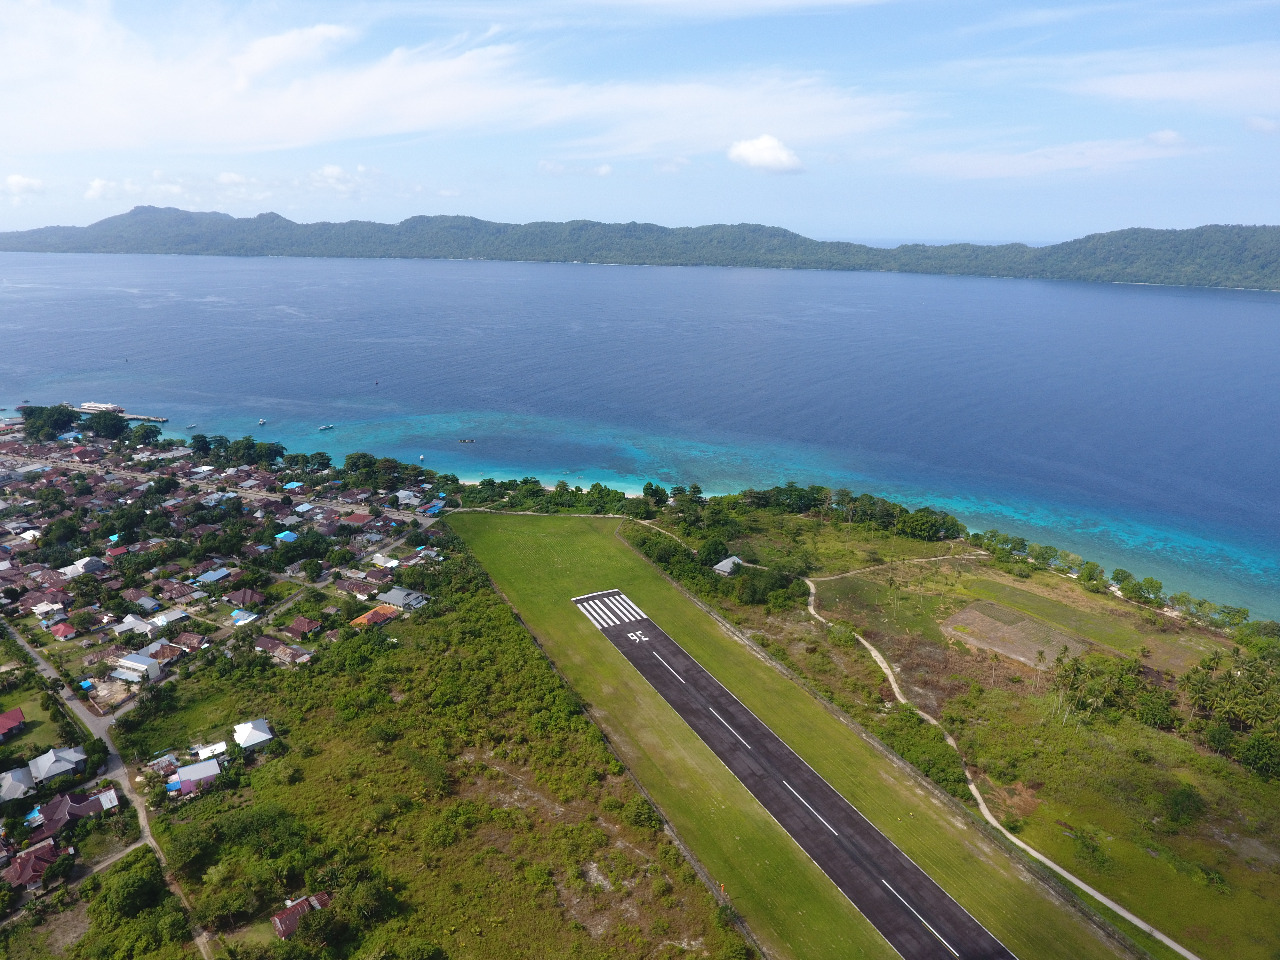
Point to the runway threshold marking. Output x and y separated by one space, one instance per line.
921 919
726 723
829 827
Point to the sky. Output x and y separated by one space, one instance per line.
857 120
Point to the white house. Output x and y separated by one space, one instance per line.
57 762
134 668
16 784
252 734
727 566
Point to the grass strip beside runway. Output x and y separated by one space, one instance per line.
542 562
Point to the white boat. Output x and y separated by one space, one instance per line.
327 426
190 426
261 421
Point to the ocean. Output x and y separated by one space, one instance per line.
1133 425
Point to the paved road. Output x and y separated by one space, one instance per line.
913 913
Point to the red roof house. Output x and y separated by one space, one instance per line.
285 923
11 722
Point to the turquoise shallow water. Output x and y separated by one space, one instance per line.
1132 425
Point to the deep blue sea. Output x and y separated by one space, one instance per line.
1133 425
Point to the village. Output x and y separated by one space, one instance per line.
128 563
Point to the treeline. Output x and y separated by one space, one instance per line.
528 494
49 423
1218 256
1017 556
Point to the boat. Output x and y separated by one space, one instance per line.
261 421
326 426
466 441
190 426
421 457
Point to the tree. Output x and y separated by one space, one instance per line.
46 423
60 869
319 462
199 444
1120 576
107 424
144 434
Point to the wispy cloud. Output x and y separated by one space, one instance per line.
76 80
1091 156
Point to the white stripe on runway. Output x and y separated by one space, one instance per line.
920 918
635 612
817 814
731 730
622 612
602 612
667 665
590 616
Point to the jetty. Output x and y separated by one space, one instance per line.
92 408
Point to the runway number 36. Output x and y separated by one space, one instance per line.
637 636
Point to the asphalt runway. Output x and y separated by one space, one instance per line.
913 913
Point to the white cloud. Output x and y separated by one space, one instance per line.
1235 80
1262 124
765 152
1090 156
232 179
336 179
74 79
16 185
97 189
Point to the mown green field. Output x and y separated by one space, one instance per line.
540 563
40 732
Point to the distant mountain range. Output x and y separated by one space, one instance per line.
1211 256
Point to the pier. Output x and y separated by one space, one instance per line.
127 416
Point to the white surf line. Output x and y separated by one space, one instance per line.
920 918
731 730
667 665
811 810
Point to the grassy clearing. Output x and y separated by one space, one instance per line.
540 563
1104 620
41 731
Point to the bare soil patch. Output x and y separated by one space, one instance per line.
1011 633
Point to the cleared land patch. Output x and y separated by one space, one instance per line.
541 562
1010 632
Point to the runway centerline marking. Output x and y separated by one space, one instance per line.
920 918
667 665
833 830
731 730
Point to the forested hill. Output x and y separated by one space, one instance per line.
1210 256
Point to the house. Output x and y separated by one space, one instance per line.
285 923
11 723
194 776
244 597
287 536
16 784
133 623
212 750
164 619
727 566
357 587
402 599
302 626
252 734
162 652
282 653
135 668
356 519
27 869
384 561
63 631
66 808
382 613
57 762
190 642
81 567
